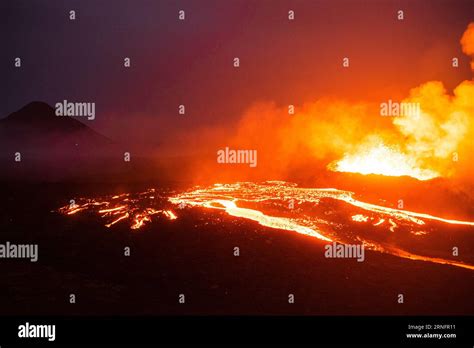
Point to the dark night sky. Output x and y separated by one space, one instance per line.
190 62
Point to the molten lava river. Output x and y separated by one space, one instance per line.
329 215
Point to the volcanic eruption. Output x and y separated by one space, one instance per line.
434 143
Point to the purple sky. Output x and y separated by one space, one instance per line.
190 62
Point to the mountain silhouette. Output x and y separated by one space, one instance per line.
38 146
36 128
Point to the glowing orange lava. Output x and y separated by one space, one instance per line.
383 160
284 206
123 207
226 197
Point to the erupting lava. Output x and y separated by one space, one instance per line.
429 141
426 135
384 160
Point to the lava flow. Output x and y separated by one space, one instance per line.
327 214
316 212
134 209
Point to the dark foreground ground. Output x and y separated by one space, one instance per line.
193 255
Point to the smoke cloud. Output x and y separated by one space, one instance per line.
438 140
